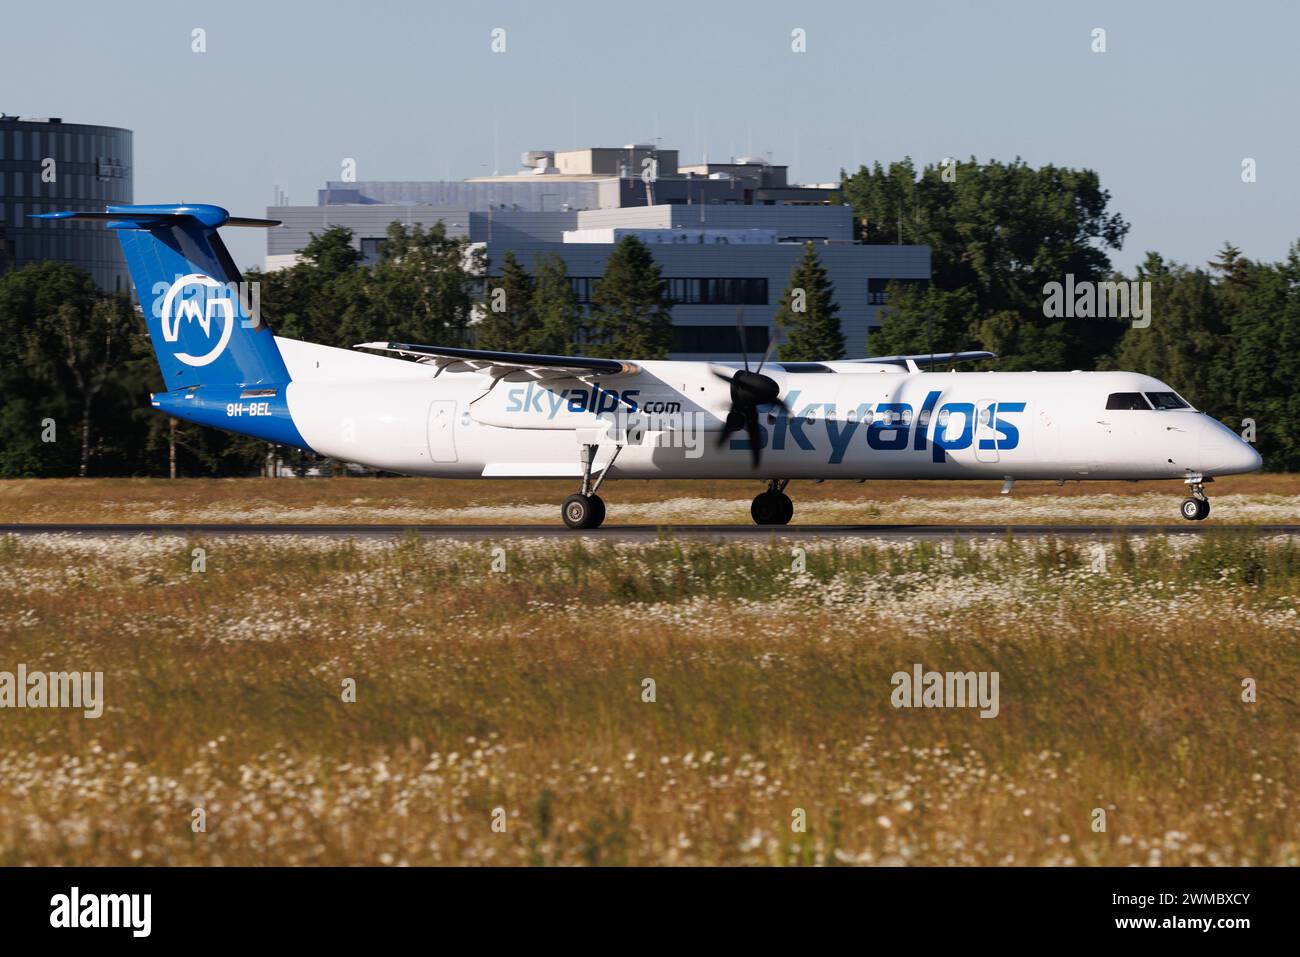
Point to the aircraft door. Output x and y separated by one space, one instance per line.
442 435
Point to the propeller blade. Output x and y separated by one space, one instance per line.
751 426
748 390
771 345
733 423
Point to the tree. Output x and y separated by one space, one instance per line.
92 343
41 405
1261 303
306 300
437 275
1001 231
916 321
1186 343
1233 269
630 313
556 308
807 313
509 320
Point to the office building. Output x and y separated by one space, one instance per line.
48 165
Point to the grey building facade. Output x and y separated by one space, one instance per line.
48 165
726 236
709 282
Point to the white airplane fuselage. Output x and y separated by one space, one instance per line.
857 422
459 412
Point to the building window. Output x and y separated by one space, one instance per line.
878 289
583 288
372 250
748 291
718 340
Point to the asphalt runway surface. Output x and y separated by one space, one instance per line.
647 532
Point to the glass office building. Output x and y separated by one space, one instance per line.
47 165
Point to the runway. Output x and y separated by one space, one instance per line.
632 533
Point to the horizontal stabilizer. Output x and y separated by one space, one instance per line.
160 216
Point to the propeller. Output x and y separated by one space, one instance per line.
749 390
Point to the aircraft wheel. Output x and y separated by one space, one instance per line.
772 508
1195 509
583 511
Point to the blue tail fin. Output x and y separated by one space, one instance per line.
219 360
199 316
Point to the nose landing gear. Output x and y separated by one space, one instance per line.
773 507
1197 507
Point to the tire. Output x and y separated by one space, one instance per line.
1194 509
768 509
582 511
1205 509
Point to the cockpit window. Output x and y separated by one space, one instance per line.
1126 400
1167 400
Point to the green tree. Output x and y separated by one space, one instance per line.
305 300
1186 343
509 322
92 343
630 313
917 321
439 276
1002 231
39 395
807 314
556 308
1262 310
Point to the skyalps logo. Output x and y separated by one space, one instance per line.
198 300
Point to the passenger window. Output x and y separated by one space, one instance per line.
1126 400
1167 400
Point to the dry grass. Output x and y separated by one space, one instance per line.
521 689
1247 499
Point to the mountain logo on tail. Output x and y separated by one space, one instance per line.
198 300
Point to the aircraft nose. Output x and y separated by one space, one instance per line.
1224 453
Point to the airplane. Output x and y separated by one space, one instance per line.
451 412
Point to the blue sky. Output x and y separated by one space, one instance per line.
286 91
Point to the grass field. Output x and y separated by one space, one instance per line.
1245 499
513 680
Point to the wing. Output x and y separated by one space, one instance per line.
928 358
511 366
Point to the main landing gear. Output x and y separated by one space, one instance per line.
1197 507
773 507
586 509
